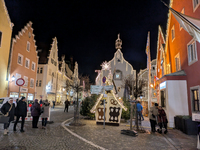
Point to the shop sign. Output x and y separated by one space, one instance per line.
196 117
23 89
163 85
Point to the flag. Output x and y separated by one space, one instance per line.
189 24
148 51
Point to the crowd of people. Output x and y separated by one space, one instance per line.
20 111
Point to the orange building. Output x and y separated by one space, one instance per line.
178 64
23 64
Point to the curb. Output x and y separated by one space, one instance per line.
76 135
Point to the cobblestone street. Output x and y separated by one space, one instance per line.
57 137
54 137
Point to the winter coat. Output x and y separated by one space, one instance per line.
35 109
45 107
67 103
154 111
21 109
5 108
162 118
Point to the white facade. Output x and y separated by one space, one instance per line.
173 98
119 67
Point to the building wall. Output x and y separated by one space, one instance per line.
19 47
6 30
179 45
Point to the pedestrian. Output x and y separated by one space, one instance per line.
40 101
35 113
8 109
139 111
54 103
66 105
20 111
45 114
162 120
153 113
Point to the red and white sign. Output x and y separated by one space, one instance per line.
20 82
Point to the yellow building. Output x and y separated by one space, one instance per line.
5 39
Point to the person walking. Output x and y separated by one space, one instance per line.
40 101
35 113
139 111
45 114
8 109
54 103
66 105
162 120
20 111
153 113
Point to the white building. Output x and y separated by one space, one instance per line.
118 69
51 82
143 75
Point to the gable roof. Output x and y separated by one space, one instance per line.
7 15
100 97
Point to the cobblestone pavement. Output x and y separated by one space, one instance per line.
56 137
53 138
112 139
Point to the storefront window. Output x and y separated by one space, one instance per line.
23 94
14 94
30 96
163 99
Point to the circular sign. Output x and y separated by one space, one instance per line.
20 82
104 79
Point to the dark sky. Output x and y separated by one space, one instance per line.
87 29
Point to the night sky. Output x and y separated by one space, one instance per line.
87 29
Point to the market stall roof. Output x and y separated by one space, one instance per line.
100 97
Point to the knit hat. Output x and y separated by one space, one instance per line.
156 104
36 100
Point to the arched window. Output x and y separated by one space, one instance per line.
117 75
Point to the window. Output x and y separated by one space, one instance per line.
36 83
29 34
40 83
55 63
32 83
0 37
27 63
177 62
20 59
33 66
162 67
26 81
192 53
195 99
41 69
30 96
173 33
163 101
54 55
28 46
118 75
195 4
52 61
38 69
168 68
183 12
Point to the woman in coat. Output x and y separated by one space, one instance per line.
153 113
162 120
8 109
35 113
45 114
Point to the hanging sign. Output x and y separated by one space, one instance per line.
20 82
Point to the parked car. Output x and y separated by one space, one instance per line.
5 99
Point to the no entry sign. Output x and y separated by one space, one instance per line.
104 79
20 82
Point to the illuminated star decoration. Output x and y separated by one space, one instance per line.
105 65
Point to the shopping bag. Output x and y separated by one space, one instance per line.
198 144
4 119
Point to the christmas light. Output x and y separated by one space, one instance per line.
105 65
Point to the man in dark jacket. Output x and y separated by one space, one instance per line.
21 111
66 105
8 109
35 113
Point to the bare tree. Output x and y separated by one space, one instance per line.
86 79
135 88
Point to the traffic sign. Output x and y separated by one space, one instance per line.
20 82
104 79
96 89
